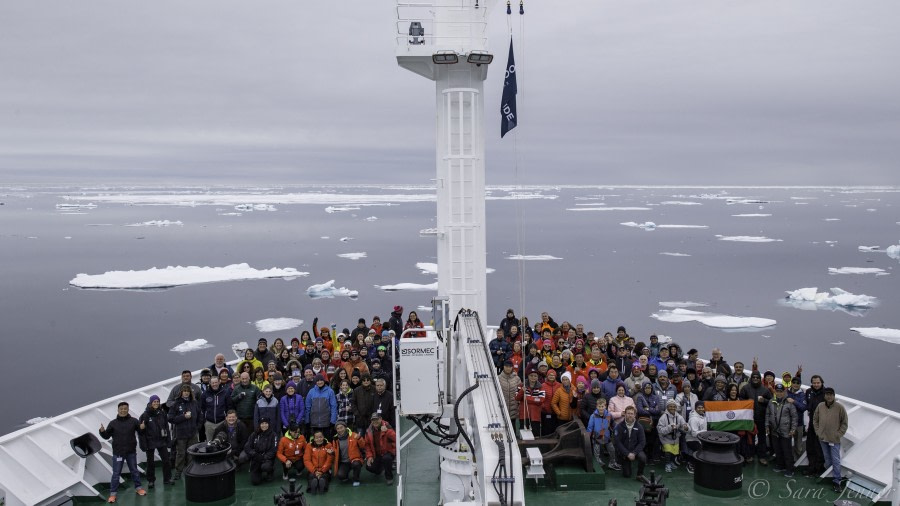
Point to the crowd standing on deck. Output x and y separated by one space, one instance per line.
322 407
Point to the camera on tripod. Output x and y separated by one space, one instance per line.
290 496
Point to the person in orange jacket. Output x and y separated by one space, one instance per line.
380 446
347 455
318 459
291 450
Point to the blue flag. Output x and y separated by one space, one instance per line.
508 116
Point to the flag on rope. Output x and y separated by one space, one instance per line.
729 415
508 116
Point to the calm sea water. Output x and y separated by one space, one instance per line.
66 347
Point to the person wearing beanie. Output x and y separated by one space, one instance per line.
564 399
830 422
291 407
361 329
588 404
815 395
348 458
510 383
259 451
797 397
663 387
531 398
321 408
670 427
696 425
154 438
781 425
635 380
761 396
362 401
263 353
267 407
717 393
508 322
395 323
290 452
376 325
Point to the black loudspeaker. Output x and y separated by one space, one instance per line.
85 445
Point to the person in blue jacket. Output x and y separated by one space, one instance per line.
797 397
321 408
292 407
600 428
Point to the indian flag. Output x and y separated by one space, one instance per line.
729 415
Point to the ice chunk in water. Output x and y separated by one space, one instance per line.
882 334
277 324
169 277
328 291
719 321
196 344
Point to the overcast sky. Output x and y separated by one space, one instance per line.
290 91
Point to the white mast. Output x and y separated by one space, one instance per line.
431 35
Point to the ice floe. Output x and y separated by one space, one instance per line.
682 304
522 196
839 343
745 201
718 321
674 254
893 251
89 205
36 420
869 249
533 257
880 333
680 203
810 299
345 239
372 218
751 215
353 256
413 287
647 225
340 209
608 209
857 270
746 238
196 344
327 290
428 231
155 278
832 219
277 324
255 207
157 223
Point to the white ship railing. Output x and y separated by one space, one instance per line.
38 465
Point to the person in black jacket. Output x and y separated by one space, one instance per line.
235 433
123 431
814 397
260 452
154 437
185 414
630 441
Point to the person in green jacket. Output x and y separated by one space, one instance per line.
244 399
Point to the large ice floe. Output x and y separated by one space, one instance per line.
880 333
893 251
857 270
719 321
277 324
810 299
353 256
674 254
196 344
169 277
412 287
746 238
157 223
682 304
327 290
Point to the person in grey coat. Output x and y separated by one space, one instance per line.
781 424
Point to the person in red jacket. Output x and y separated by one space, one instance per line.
291 450
380 446
318 458
531 397
347 454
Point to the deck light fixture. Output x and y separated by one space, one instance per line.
480 57
445 58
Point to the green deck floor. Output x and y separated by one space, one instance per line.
422 477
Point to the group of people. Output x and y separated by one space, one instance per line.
646 402
322 407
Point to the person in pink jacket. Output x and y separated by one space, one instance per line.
618 404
